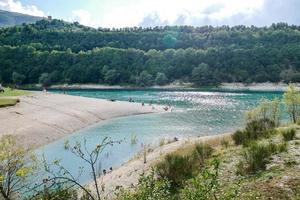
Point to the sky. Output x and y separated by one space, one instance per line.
146 13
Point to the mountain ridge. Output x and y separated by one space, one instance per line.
8 18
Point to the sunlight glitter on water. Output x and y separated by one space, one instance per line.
196 113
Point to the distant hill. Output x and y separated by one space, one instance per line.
12 18
73 53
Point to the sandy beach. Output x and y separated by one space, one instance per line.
129 173
42 118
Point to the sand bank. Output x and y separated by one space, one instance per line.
129 173
43 118
272 87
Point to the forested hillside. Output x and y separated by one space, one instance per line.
13 18
72 53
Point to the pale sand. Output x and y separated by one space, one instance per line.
279 87
129 173
42 118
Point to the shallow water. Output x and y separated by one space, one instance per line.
196 113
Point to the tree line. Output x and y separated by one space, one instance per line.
61 52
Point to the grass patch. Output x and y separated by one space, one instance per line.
254 130
176 168
289 134
203 152
256 156
5 102
8 92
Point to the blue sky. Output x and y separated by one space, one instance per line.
128 13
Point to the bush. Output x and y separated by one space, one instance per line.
176 168
203 152
148 188
254 130
57 193
289 134
257 156
207 186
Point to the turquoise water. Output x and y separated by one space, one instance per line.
196 113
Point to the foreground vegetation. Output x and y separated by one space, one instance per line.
260 161
72 53
9 97
9 92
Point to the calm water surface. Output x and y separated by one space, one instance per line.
196 113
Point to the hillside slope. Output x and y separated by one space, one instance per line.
12 18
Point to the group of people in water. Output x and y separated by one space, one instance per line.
166 108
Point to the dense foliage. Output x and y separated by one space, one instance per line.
72 53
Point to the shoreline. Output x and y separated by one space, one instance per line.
129 172
257 87
253 87
42 118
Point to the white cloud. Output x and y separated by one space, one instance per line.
83 17
170 10
17 6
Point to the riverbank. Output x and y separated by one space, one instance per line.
260 87
278 179
129 173
263 87
42 118
175 85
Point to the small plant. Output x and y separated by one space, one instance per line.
133 139
203 152
162 142
67 145
289 134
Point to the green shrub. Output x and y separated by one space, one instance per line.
289 134
257 156
148 188
239 137
254 130
203 152
176 168
57 193
207 185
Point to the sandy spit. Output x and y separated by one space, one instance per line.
42 118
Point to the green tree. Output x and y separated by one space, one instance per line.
45 80
17 78
266 110
201 75
291 99
161 79
17 164
111 76
145 79
169 41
